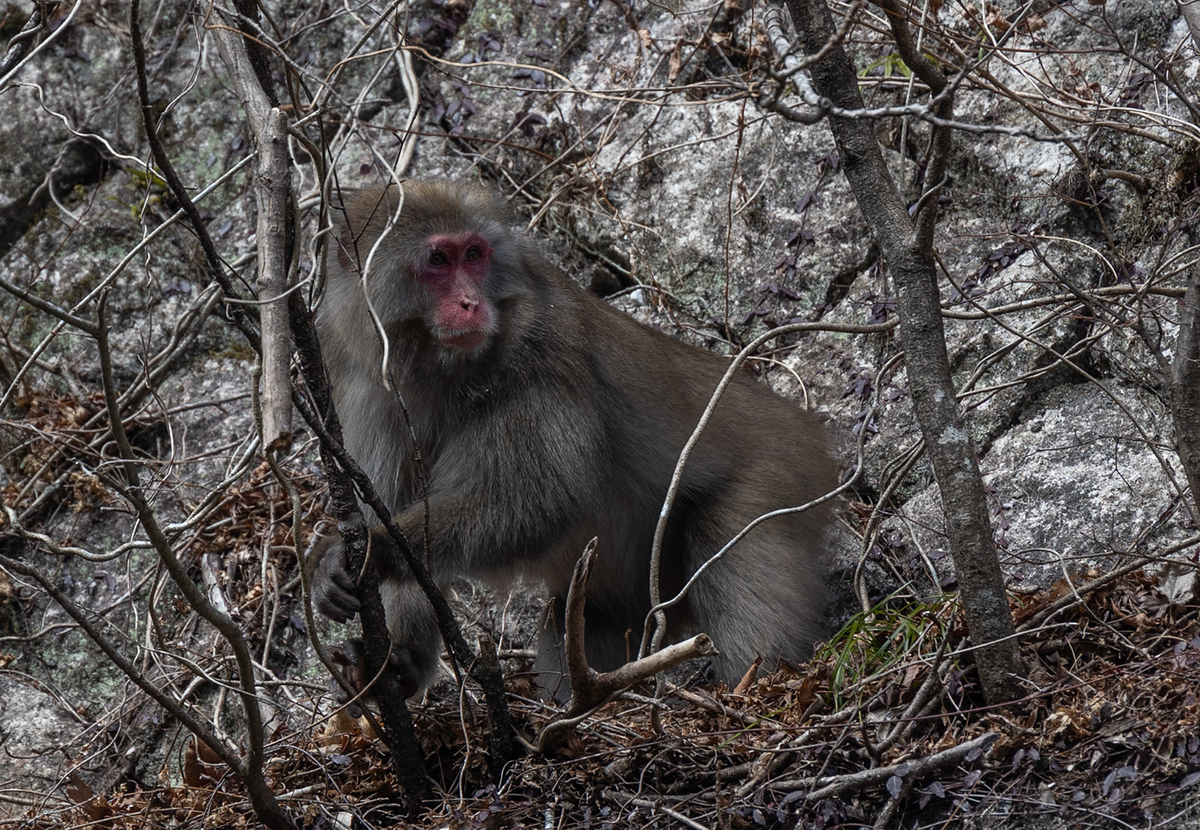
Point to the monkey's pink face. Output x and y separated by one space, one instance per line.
455 268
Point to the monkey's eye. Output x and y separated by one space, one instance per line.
473 254
438 258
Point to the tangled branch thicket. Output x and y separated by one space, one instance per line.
667 154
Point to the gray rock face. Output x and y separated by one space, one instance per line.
1082 477
35 729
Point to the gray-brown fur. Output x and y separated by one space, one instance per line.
566 425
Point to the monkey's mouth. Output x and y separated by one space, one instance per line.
465 340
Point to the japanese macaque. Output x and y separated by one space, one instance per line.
543 418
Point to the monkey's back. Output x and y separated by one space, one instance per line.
758 453
654 397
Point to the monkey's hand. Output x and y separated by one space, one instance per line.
351 657
333 584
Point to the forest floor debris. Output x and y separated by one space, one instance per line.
884 727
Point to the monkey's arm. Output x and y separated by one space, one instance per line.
504 488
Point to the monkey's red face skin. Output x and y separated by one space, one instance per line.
454 267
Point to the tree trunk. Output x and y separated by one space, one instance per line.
907 249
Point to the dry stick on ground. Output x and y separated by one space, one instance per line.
822 788
654 805
591 689
907 248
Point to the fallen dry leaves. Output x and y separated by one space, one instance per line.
1110 727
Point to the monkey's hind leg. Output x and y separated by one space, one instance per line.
416 640
765 597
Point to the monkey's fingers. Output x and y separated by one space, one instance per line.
351 656
352 660
337 602
405 665
334 596
337 605
333 587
